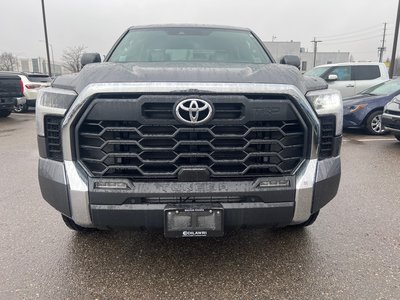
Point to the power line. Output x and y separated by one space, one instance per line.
358 40
349 33
359 35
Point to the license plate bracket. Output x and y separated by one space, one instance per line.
193 220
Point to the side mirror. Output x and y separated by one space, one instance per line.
332 77
291 60
90 58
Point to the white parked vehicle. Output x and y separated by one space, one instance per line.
353 77
32 83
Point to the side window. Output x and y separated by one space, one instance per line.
365 72
343 73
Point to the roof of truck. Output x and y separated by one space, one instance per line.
188 26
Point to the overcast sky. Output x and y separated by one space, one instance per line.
345 25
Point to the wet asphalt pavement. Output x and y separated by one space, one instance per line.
351 252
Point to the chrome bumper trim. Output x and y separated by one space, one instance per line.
305 181
78 195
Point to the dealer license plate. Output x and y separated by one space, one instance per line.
193 220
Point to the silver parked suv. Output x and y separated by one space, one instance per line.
391 117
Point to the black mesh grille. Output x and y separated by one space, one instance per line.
53 137
159 152
327 144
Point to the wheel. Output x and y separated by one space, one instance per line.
4 113
397 136
374 124
21 108
309 222
72 225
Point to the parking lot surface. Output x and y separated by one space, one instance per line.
351 252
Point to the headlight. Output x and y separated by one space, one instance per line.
52 101
328 102
396 99
355 108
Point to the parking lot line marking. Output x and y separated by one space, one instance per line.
369 140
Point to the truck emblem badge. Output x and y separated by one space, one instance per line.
193 111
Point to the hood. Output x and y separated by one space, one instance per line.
188 72
362 98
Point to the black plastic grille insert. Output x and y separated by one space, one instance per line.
157 152
328 129
53 137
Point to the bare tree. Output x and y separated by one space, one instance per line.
8 61
72 58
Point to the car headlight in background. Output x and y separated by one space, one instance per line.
328 102
52 101
396 99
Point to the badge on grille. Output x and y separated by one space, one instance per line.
193 111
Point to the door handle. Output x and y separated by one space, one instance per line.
350 85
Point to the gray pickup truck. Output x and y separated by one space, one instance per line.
189 130
10 92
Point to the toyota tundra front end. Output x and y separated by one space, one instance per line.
188 139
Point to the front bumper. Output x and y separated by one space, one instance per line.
353 120
68 189
390 121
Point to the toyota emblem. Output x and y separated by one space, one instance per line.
193 111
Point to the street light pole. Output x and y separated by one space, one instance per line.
46 39
396 35
52 57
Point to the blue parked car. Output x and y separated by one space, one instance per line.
365 109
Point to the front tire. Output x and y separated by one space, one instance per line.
374 123
4 113
73 226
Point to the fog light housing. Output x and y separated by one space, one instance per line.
274 183
111 185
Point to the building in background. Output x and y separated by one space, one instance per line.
280 49
39 65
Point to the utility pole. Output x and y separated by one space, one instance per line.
52 56
396 35
46 39
315 48
382 48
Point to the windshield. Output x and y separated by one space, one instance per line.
386 88
189 45
317 72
